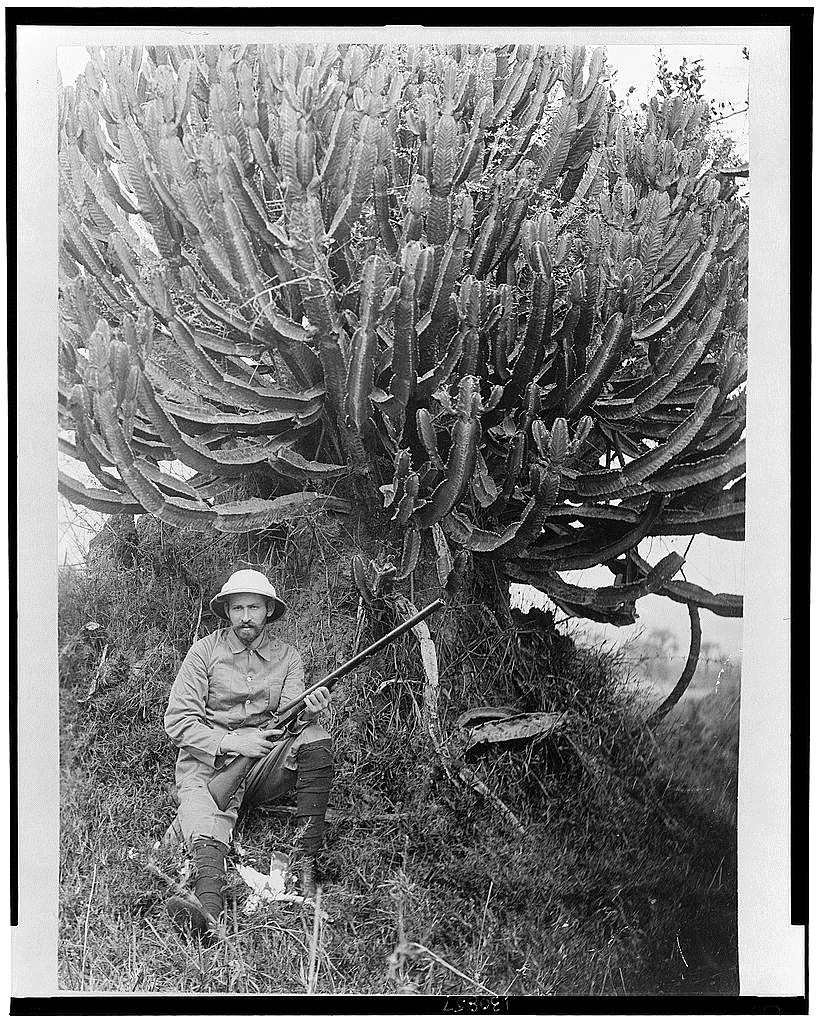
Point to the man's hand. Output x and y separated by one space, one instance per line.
250 742
318 701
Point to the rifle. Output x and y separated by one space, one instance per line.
227 779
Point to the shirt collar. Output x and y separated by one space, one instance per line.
262 645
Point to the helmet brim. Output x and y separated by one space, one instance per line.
217 605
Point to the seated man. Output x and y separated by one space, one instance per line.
230 682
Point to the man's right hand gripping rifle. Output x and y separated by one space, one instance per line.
259 742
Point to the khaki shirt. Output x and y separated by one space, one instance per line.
223 685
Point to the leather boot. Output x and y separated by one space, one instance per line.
202 912
315 772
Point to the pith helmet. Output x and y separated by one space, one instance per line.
247 581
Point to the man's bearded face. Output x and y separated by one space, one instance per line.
247 614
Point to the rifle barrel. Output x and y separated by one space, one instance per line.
226 779
358 658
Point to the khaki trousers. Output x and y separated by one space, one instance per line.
271 778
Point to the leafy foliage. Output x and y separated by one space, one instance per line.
450 284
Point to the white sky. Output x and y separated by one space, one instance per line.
712 563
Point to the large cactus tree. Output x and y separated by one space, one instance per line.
449 285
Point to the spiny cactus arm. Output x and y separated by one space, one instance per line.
255 514
471 537
134 150
483 248
729 517
515 537
364 348
409 501
723 433
722 490
442 174
116 192
546 492
616 334
287 462
105 215
594 513
246 423
502 333
444 562
241 395
411 546
382 210
138 476
429 382
726 380
558 144
515 82
89 446
605 483
693 473
244 262
287 337
233 462
84 453
231 348
462 458
167 483
97 499
680 303
587 188
438 320
585 293
175 511
672 267
671 374
547 67
405 353
563 370
512 219
334 372
592 550
538 330
88 255
726 605
602 599
428 437
590 116
473 145
361 172
204 366
483 486
680 357
173 382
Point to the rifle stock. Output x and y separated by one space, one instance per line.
228 779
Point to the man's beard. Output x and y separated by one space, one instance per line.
248 632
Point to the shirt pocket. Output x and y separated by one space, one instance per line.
227 688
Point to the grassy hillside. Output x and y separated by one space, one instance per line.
623 881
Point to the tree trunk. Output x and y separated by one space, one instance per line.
418 687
